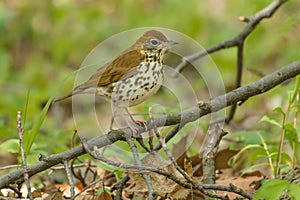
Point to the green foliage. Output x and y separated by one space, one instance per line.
101 190
288 126
117 171
11 145
271 121
31 135
274 189
44 41
263 152
283 122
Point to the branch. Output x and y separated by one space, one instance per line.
252 21
138 163
47 162
241 94
23 154
209 150
238 42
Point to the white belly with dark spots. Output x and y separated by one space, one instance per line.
136 89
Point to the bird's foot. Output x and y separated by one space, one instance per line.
141 123
132 126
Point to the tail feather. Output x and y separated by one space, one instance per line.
76 91
83 88
63 97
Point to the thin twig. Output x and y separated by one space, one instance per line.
77 175
252 21
16 190
10 166
230 188
190 184
120 186
81 165
23 154
200 187
139 164
92 184
70 178
239 66
165 148
238 42
97 156
240 94
170 135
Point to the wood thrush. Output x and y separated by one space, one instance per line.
133 76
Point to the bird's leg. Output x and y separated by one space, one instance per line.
112 120
129 123
133 128
138 122
114 112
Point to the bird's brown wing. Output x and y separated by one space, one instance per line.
112 72
122 66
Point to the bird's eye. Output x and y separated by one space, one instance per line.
154 42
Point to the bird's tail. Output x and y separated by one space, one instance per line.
74 92
63 97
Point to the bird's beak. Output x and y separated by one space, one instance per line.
171 43
168 44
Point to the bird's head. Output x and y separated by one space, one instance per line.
155 42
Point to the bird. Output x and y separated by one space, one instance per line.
133 76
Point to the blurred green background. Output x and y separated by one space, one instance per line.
43 41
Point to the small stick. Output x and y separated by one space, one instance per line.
139 164
70 178
23 154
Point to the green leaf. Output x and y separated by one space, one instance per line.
250 169
250 146
250 137
279 110
273 189
107 167
293 95
290 133
11 145
101 190
271 121
285 158
117 171
33 157
292 138
294 191
30 136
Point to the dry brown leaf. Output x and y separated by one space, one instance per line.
88 196
245 184
188 167
162 186
105 196
92 194
65 188
36 193
222 159
55 196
